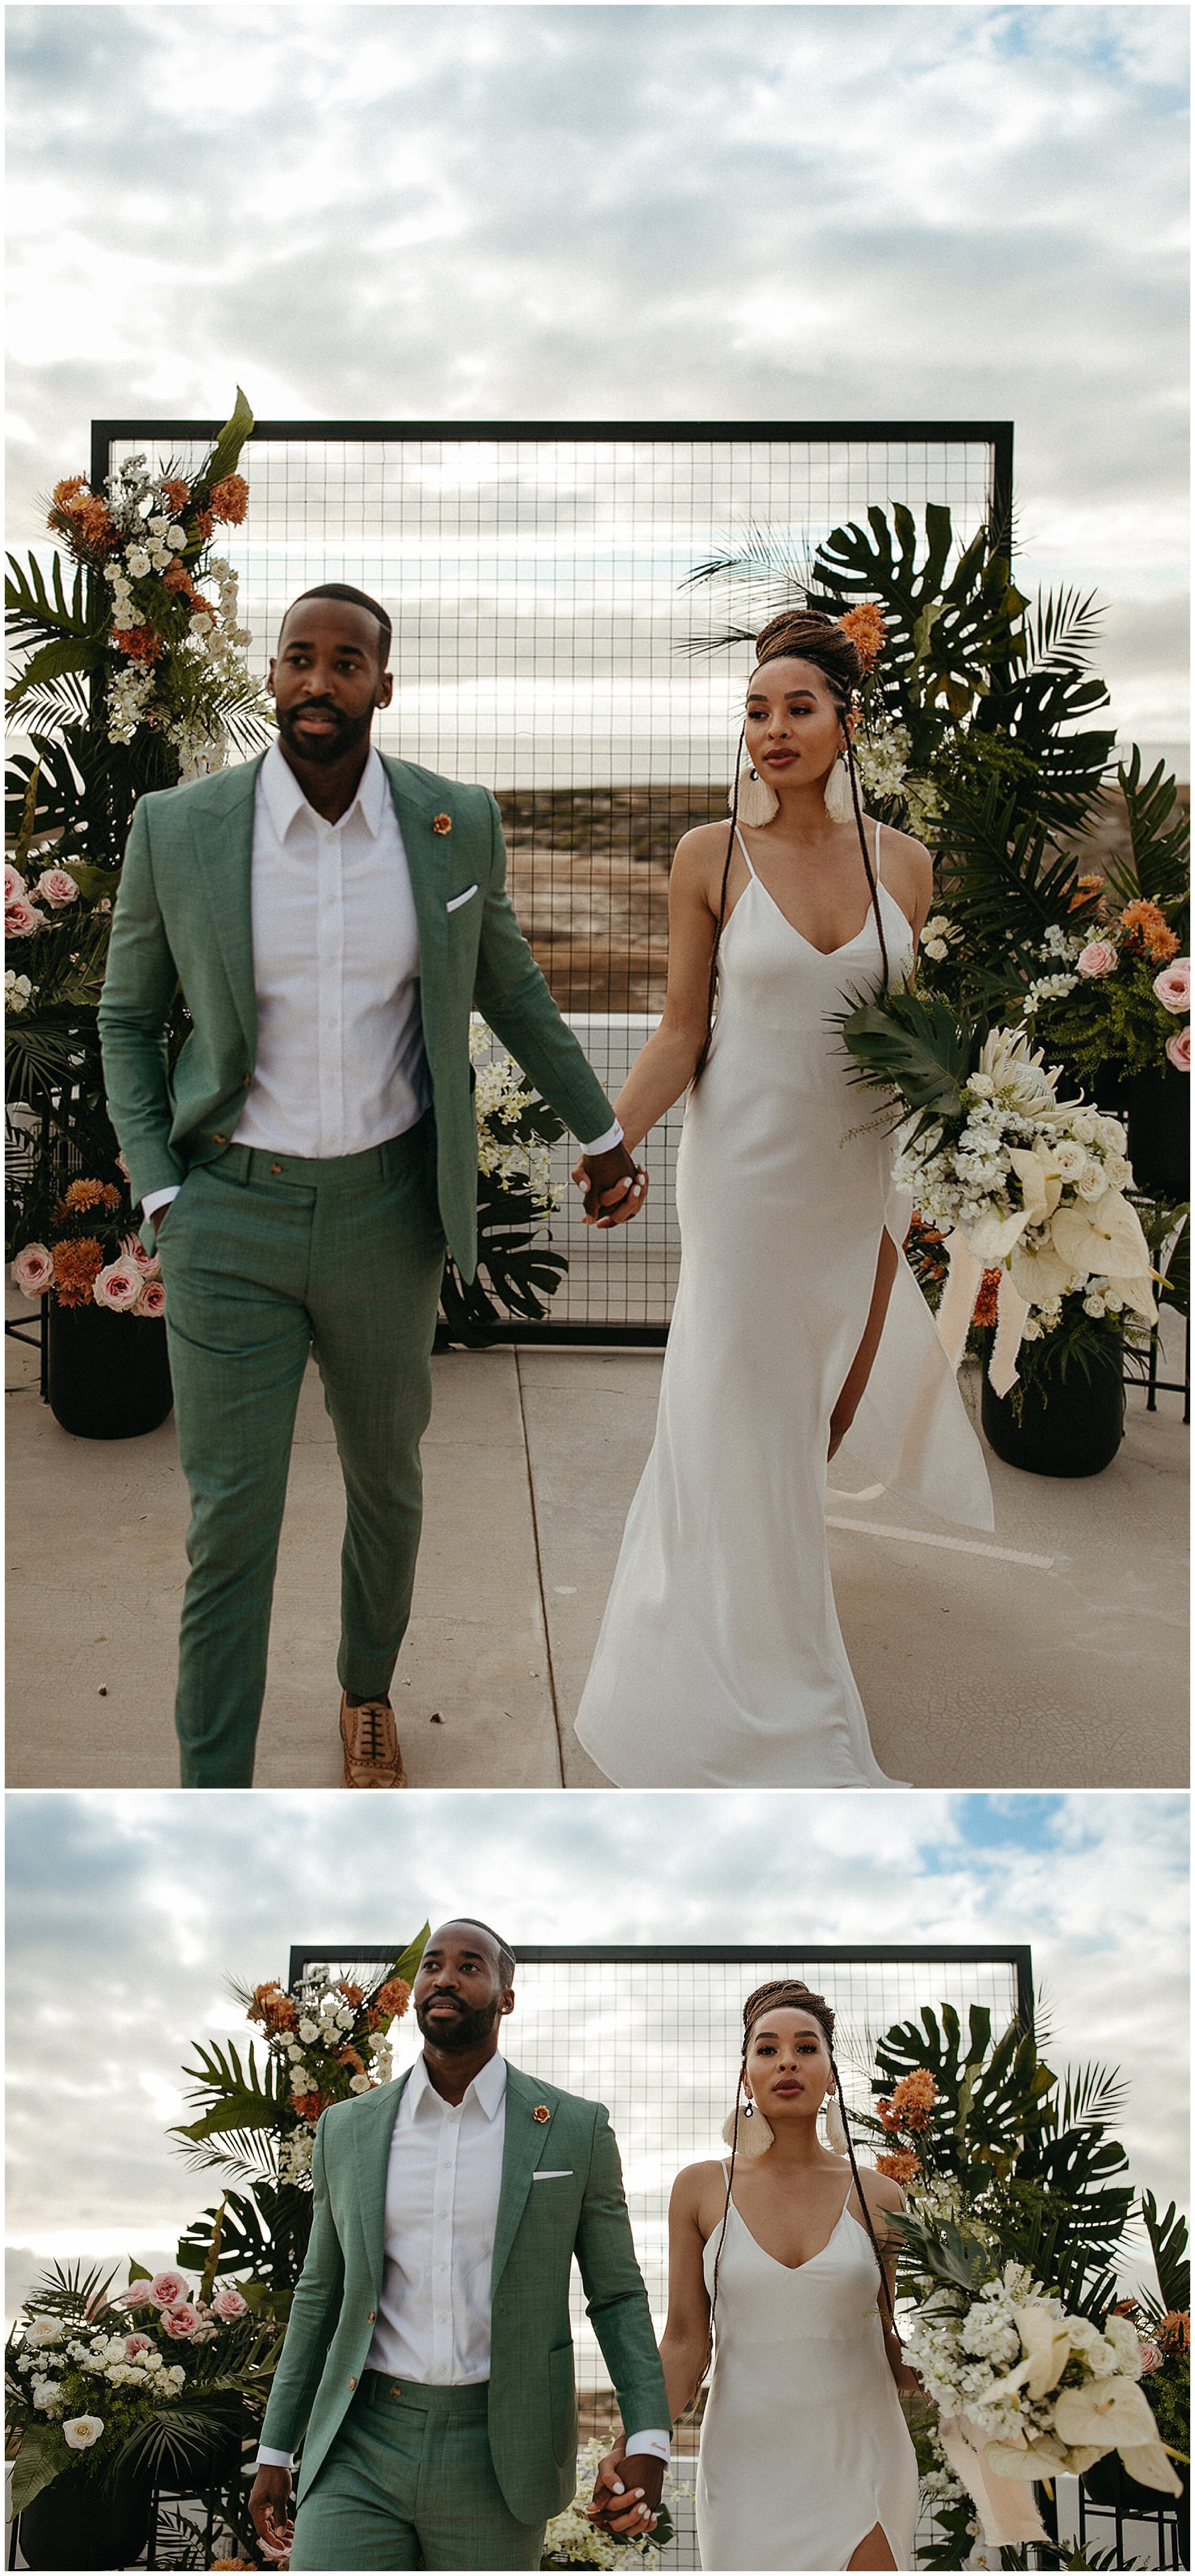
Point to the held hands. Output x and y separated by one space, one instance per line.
268 2500
626 2492
613 1184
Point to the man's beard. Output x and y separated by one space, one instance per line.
467 2028
323 749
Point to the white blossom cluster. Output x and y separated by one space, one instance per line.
1014 1171
499 1099
102 2357
922 807
1055 955
152 539
17 991
964 2350
295 2155
326 2021
882 758
939 935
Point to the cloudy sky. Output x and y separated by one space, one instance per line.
518 212
128 1913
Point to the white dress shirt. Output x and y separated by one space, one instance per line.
443 2185
340 1056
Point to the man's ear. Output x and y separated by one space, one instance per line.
270 676
385 689
508 2001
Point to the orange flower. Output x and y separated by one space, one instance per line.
179 579
310 2105
141 643
1087 892
177 494
273 2007
1145 927
78 513
203 525
900 2167
77 1266
1174 2332
81 1195
441 822
985 1304
865 626
229 500
352 1994
66 493
349 2057
888 2116
392 1998
913 2098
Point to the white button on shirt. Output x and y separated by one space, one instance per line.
340 1056
443 2185
340 1061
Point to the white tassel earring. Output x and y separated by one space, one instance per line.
753 2137
836 2132
840 804
757 801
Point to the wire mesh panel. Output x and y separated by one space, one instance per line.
548 644
656 2035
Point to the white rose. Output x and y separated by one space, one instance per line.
137 561
44 2330
176 538
45 2393
157 527
80 2431
307 2031
934 947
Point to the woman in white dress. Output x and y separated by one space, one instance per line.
781 2258
720 1661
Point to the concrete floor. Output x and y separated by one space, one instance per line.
1052 1656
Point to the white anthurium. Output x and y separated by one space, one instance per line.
1114 2412
1038 1271
1047 2342
1040 1179
992 1237
1151 2466
1103 1236
1041 2457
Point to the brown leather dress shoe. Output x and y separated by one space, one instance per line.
372 1758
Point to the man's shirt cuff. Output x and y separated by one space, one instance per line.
605 1144
274 2459
657 2445
160 1198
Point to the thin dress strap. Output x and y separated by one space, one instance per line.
877 859
743 847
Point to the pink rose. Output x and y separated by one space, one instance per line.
137 2295
1150 2358
152 1300
33 1270
229 2303
1097 959
135 2343
119 1285
148 1263
56 887
1178 1048
21 918
182 2321
15 887
1173 985
166 2289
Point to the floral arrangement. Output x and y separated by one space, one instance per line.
571 2541
172 631
1114 999
94 1260
516 1272
94 2375
328 2041
1028 1190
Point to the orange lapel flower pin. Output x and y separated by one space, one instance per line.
441 822
541 2112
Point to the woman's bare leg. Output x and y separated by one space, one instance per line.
873 2551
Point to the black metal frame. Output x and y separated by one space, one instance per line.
884 1954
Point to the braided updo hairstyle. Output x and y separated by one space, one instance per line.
789 1994
808 636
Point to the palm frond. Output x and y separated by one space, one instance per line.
1062 631
32 610
1168 2244
1160 865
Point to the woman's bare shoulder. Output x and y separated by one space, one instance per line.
901 849
879 2190
693 2181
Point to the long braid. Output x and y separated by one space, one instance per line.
869 871
734 2148
887 2295
713 986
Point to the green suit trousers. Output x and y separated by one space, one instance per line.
409 2482
266 1257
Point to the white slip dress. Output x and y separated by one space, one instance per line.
720 1662
804 2447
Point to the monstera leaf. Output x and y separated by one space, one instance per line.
911 1045
1168 2243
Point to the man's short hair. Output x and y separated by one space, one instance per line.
506 1956
358 599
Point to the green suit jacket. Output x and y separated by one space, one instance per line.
183 917
532 2391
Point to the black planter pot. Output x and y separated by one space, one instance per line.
1073 1426
1158 1106
108 1375
79 2522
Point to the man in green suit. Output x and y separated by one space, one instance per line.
332 918
428 2362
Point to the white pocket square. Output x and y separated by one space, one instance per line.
458 899
553 2173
